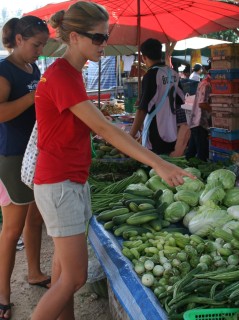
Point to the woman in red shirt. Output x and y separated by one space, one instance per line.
65 117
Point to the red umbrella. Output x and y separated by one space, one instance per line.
133 21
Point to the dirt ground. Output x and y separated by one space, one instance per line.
88 305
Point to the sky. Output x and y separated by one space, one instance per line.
25 5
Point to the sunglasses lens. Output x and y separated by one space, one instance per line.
99 38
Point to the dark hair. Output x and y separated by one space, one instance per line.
27 27
197 67
152 49
80 17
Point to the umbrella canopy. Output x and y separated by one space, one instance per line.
133 21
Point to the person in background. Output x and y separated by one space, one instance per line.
65 122
186 72
128 60
200 121
19 75
196 72
163 130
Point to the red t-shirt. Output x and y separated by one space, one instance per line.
63 139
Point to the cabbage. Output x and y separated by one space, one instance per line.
154 183
194 171
188 196
234 211
232 197
226 177
167 197
190 184
231 225
189 216
176 211
207 219
215 194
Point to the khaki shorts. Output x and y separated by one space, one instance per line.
64 206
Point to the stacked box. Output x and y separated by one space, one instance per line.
226 117
224 101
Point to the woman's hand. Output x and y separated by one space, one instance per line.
173 175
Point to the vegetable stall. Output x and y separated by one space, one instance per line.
168 250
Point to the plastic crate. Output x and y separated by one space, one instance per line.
227 63
209 314
225 144
224 50
224 74
224 134
217 156
225 86
226 99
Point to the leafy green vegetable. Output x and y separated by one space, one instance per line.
194 171
188 196
234 211
176 211
207 219
215 194
167 197
226 177
143 175
155 183
189 216
232 197
189 184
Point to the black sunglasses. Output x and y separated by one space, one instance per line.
97 38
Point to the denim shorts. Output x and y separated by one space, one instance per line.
64 206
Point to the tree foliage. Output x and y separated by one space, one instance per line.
228 35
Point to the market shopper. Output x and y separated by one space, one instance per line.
161 94
19 75
65 117
196 72
200 121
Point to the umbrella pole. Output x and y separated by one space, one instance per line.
99 83
138 42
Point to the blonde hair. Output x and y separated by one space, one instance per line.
80 17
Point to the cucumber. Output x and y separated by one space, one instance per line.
139 201
106 148
113 204
108 225
119 220
137 219
156 224
134 231
161 208
157 194
139 189
109 214
130 196
145 206
118 230
133 206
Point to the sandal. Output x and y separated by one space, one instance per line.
44 284
5 308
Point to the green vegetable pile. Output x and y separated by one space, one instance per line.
187 271
183 242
